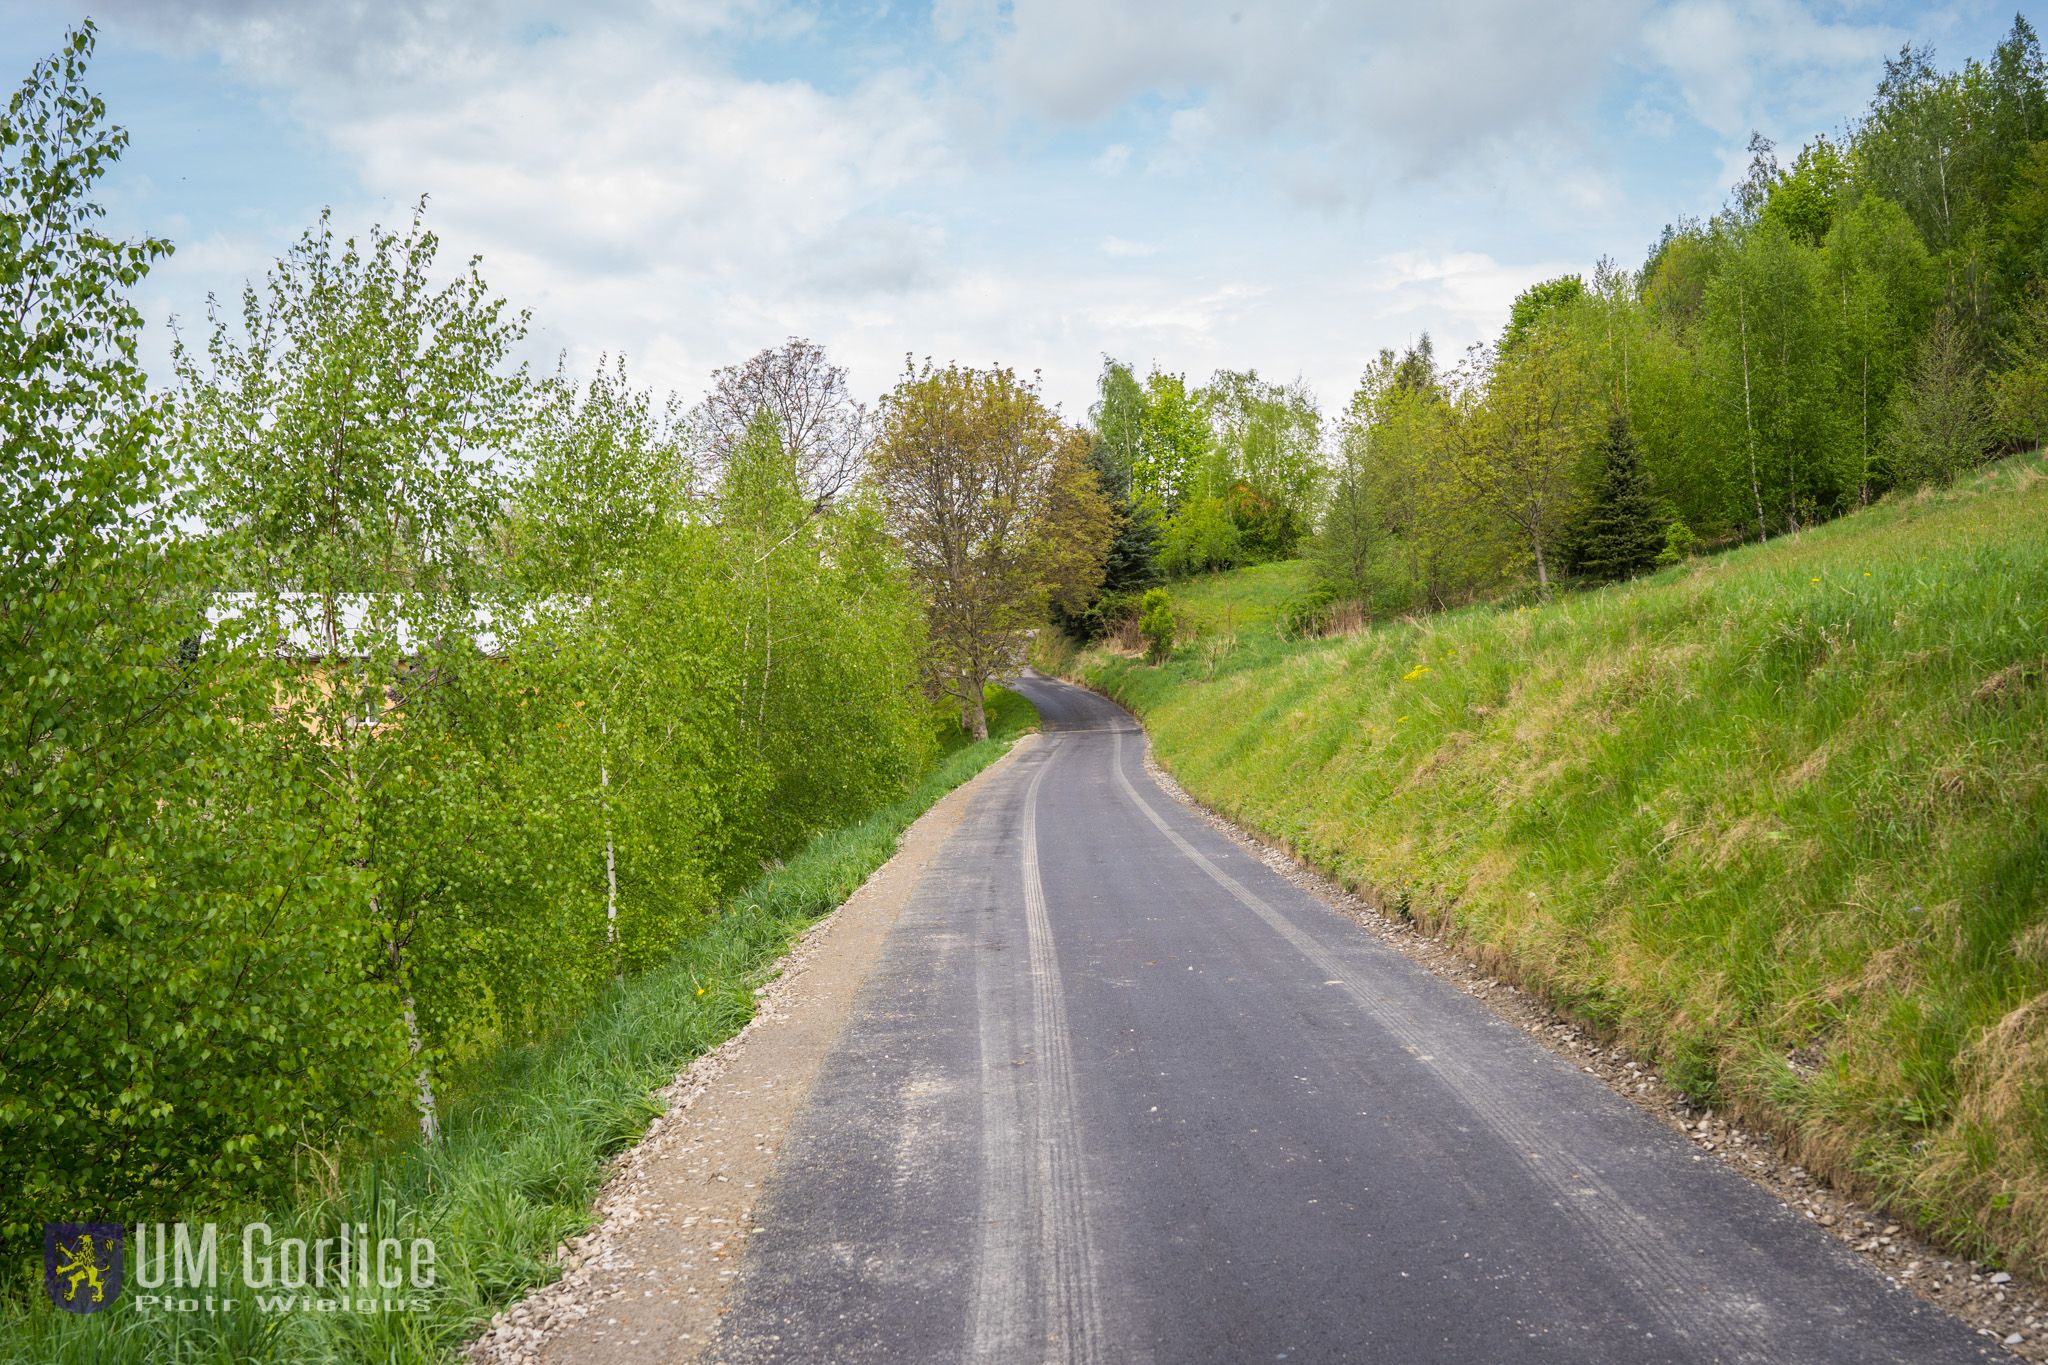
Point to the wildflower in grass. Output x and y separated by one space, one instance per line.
1412 674
1813 580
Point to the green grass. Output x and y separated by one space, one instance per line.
526 1141
1246 602
1776 819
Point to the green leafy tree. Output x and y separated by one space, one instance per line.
355 436
2020 390
1879 278
352 445
999 514
1769 351
1132 562
1805 200
1202 537
827 710
1118 416
604 489
1537 303
1174 446
2023 221
1520 435
1347 544
1941 421
603 470
1268 459
181 994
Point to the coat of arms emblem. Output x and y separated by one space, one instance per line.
82 1265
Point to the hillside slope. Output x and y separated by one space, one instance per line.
1776 819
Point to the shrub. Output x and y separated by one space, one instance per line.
1200 537
1307 615
1155 624
1679 544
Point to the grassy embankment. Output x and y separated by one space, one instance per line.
527 1136
1776 819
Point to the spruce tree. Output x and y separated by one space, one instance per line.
1622 534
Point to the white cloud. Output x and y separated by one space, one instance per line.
619 179
1650 121
1405 90
1113 245
1111 160
632 181
1469 289
1741 63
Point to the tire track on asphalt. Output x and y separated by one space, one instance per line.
1035 1269
1676 1288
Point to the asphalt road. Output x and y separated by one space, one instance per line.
1115 1091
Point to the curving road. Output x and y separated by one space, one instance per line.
1117 1092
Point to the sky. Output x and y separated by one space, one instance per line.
1287 186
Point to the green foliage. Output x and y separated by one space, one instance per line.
1680 544
1226 475
2020 390
1538 302
1805 200
1155 436
1156 625
1308 615
1267 460
1761 359
168 889
1620 536
529 1128
999 513
1132 562
1352 530
603 474
460 711
1941 421
1204 536
354 437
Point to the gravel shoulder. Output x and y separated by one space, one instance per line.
650 1281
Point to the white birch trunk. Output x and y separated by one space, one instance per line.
611 862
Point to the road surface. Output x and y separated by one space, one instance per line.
1117 1092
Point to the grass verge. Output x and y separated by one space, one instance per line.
1776 820
526 1142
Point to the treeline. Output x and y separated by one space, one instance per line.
369 702
1871 317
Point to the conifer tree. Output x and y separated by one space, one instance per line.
1622 535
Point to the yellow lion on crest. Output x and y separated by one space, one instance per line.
79 1263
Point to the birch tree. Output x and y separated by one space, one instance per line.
181 992
350 440
1521 437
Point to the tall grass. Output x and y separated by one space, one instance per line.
1776 819
526 1138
